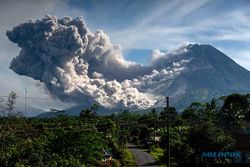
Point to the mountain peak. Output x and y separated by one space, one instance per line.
209 74
199 46
207 52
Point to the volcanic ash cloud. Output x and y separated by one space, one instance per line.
78 65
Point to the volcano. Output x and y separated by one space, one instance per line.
210 74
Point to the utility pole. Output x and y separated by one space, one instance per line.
25 102
168 133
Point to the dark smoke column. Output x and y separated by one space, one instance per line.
73 63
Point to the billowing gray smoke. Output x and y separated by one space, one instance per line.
80 66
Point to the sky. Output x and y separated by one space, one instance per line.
138 26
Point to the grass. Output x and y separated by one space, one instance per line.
129 158
157 153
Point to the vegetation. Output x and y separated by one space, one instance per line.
95 140
129 158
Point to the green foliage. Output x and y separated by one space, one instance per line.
89 112
234 110
157 153
206 137
144 135
179 144
81 141
128 158
63 141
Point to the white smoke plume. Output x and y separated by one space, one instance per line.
78 65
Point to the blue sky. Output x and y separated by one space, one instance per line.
165 24
140 24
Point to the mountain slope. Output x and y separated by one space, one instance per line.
209 74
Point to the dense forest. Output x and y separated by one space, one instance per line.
100 140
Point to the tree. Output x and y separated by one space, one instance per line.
179 146
172 115
193 113
10 105
144 135
2 112
154 114
234 110
247 116
89 112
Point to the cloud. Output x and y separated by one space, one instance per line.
157 54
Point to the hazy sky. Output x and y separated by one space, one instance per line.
143 24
